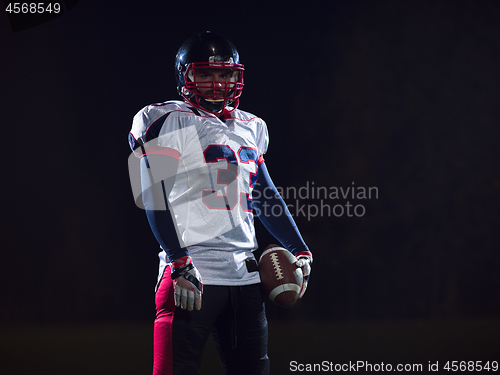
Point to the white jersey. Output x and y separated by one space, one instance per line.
211 198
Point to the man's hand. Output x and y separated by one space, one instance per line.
304 261
187 284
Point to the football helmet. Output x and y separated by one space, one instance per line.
209 74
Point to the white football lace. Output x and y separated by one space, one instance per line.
277 267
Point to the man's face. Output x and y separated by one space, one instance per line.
218 82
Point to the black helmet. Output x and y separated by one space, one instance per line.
209 52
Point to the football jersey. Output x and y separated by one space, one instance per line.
212 195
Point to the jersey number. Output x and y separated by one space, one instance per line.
229 176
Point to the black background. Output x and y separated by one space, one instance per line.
401 96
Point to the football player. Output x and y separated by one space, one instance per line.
203 177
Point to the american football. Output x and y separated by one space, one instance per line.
281 278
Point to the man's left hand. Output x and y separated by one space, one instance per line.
304 261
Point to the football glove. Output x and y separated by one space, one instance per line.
304 261
187 284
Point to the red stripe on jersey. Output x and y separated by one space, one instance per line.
260 160
250 119
167 151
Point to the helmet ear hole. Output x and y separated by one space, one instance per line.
185 92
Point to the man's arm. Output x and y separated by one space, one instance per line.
157 179
158 174
282 226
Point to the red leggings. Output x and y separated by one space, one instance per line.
234 316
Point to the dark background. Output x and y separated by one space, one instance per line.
402 96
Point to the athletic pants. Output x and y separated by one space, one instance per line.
233 315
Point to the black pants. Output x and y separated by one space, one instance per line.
233 315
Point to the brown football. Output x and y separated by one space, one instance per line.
281 279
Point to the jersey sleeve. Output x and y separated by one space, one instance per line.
156 129
136 135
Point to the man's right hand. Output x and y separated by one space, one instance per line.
187 284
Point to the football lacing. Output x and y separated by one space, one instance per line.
277 267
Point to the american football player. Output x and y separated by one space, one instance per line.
201 171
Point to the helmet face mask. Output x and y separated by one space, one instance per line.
213 86
209 75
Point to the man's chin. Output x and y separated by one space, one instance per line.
212 105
